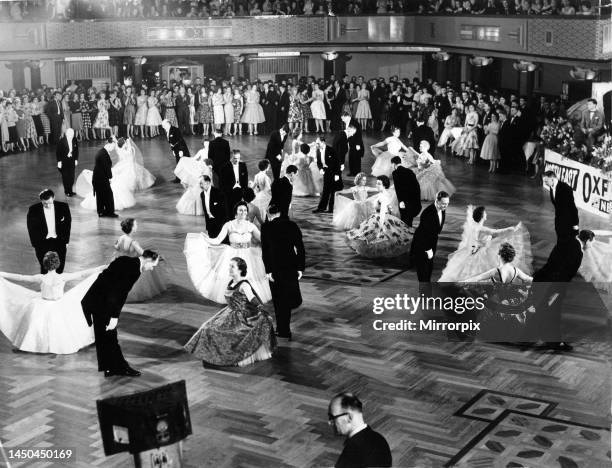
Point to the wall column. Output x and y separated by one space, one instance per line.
35 78
137 61
18 69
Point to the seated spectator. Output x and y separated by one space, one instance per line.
308 7
266 7
255 10
586 8
491 8
381 7
567 8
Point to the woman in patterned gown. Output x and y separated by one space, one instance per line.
154 119
239 334
238 104
383 234
208 259
205 116
430 175
294 117
479 246
49 321
101 121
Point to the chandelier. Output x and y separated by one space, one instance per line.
524 66
579 73
440 56
481 61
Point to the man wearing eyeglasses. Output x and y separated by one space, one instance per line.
363 446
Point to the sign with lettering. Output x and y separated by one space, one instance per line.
592 189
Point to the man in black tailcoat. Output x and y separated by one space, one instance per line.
100 180
177 144
408 191
425 240
274 150
423 132
213 203
341 144
219 153
49 223
67 155
56 116
355 143
182 111
284 258
282 190
283 106
566 213
233 180
102 306
329 165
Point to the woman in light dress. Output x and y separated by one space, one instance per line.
154 119
351 206
208 259
228 109
191 171
294 115
430 175
218 108
193 120
315 172
239 334
262 186
382 165
255 215
477 251
253 112
303 183
150 283
467 144
101 121
317 107
490 147
597 258
140 119
383 234
363 112
49 321
452 125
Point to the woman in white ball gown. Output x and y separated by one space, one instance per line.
239 334
303 184
382 165
151 283
262 186
597 258
479 246
383 234
49 321
430 175
129 175
208 260
191 171
315 172
351 206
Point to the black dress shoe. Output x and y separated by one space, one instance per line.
112 215
177 180
329 211
72 194
68 194
130 372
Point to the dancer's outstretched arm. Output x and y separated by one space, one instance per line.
24 278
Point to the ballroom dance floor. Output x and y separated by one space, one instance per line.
468 404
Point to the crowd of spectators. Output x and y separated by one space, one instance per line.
62 10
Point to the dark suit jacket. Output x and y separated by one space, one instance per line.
282 192
366 448
341 146
61 151
356 140
227 179
282 246
177 143
219 153
275 147
426 235
37 226
563 262
407 189
566 213
103 164
333 166
54 110
424 133
283 107
217 204
108 293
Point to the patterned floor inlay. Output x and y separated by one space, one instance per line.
488 405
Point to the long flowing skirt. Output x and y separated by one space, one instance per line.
208 268
317 108
190 202
37 325
596 263
262 200
473 260
382 165
350 213
122 195
363 110
153 117
253 114
317 177
376 239
141 115
490 148
149 284
432 180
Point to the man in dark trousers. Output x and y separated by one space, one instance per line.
284 259
102 174
233 180
213 203
363 446
550 287
425 240
407 189
566 213
273 98
102 306
219 153
182 111
328 164
177 145
56 116
49 223
274 151
355 143
341 144
282 190
283 105
67 155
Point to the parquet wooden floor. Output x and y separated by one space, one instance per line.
273 414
